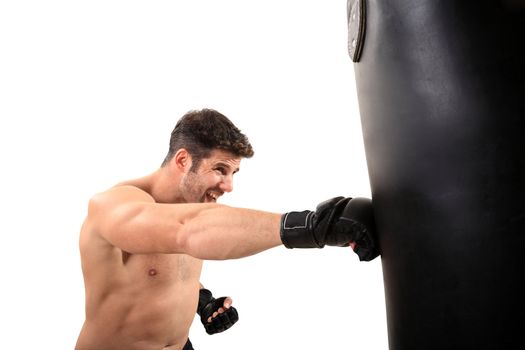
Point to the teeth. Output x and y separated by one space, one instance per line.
212 195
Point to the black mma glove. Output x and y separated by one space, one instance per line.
335 222
208 305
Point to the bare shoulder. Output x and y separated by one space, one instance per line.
105 206
119 194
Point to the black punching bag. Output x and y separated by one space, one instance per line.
441 93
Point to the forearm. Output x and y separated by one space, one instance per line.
222 232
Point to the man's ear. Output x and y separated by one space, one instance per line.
182 160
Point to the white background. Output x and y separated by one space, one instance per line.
89 93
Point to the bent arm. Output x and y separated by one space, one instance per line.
131 220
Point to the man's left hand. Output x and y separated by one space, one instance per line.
217 315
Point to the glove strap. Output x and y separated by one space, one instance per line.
205 297
296 230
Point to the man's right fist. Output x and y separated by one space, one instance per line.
336 222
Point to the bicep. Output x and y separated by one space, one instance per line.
130 220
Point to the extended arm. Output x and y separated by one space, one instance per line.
130 219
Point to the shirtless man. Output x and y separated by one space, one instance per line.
143 240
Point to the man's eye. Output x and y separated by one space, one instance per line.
222 171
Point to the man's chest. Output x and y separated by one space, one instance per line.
163 267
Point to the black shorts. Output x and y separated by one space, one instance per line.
188 345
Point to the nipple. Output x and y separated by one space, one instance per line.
152 272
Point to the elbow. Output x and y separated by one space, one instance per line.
192 243
181 242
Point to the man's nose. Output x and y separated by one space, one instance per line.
227 183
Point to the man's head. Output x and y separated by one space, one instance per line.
207 148
202 131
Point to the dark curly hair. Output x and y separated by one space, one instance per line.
202 131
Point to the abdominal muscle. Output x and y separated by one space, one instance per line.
148 302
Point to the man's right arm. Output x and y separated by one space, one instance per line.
130 219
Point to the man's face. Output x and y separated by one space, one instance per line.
212 178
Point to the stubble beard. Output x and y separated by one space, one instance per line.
191 192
